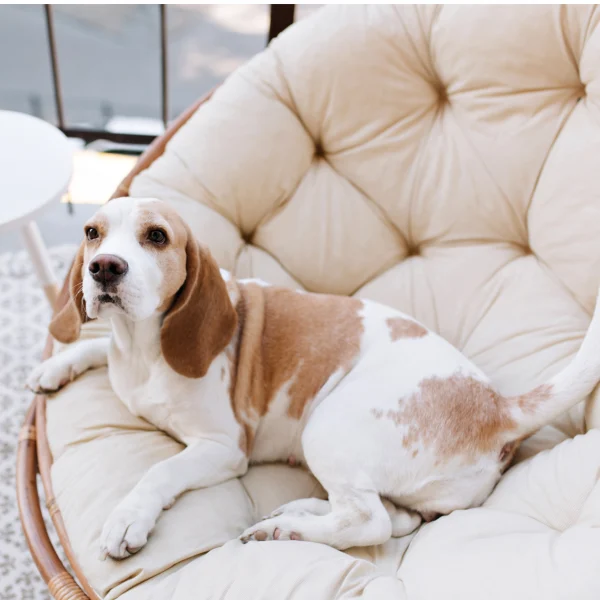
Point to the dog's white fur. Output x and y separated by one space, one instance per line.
351 435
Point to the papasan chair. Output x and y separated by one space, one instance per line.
442 160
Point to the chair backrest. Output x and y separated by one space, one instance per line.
442 160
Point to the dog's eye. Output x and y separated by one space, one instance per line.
157 236
91 233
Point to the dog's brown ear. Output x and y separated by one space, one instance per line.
66 324
202 320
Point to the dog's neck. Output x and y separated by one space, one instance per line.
136 336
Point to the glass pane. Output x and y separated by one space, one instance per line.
25 72
207 42
109 58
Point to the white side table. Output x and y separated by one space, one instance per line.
36 162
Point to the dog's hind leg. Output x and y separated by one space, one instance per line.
404 521
303 506
356 518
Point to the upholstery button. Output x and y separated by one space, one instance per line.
442 95
441 92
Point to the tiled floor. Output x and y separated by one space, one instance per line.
24 314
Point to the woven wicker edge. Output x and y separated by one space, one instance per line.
33 452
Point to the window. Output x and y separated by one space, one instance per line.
114 80
25 72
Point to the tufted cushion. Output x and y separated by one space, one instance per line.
444 161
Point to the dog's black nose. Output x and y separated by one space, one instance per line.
107 268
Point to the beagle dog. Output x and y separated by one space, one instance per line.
395 423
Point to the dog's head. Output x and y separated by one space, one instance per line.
139 259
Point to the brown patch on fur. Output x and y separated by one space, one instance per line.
529 402
201 321
415 452
404 328
248 427
457 415
287 337
242 385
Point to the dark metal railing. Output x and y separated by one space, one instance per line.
60 113
164 69
281 16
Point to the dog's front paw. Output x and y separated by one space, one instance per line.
125 532
51 375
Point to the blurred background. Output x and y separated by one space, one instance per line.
109 59
113 76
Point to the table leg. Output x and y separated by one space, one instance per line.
41 261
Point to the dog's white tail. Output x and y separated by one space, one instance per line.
546 402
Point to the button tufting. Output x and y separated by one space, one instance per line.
442 92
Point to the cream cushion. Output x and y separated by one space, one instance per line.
444 161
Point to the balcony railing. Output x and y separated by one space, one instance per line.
281 16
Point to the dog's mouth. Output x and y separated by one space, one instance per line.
108 299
